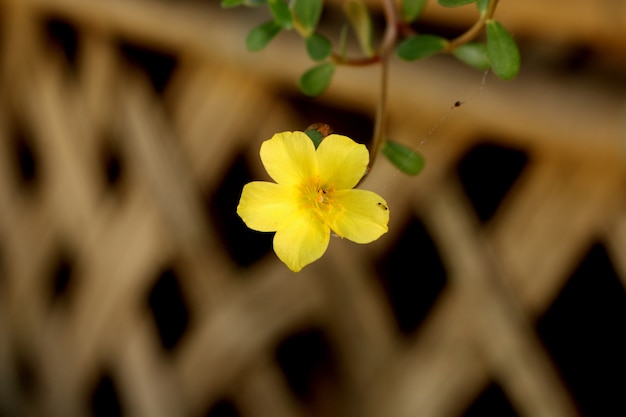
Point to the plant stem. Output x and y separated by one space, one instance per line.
386 46
381 112
391 31
475 30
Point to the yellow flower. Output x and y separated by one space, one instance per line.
313 195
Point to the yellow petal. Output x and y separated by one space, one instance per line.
265 206
289 158
358 215
302 241
342 161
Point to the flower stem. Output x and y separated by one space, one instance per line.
386 46
381 113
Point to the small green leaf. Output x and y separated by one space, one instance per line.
473 54
315 136
231 3
343 40
482 5
307 13
404 158
502 51
420 46
455 3
318 47
411 9
361 22
282 14
260 36
314 81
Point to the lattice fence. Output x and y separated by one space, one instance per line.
129 287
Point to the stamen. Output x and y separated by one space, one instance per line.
321 196
317 197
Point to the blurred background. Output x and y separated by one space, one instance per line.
129 286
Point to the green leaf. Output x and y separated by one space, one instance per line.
404 158
411 9
315 136
361 22
482 5
282 14
343 40
502 51
314 81
231 3
307 13
455 3
473 54
318 47
420 46
260 36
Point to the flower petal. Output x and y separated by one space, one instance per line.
265 206
359 215
289 158
342 161
302 241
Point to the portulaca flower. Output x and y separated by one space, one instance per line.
313 195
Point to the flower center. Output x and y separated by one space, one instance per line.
317 197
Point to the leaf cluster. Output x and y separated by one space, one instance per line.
498 51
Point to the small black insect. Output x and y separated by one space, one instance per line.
384 207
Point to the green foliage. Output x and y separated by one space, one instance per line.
343 41
307 13
420 46
234 3
281 13
499 52
403 157
361 22
411 9
315 136
318 47
455 3
314 81
502 51
482 5
473 54
231 3
260 36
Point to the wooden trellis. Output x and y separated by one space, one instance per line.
129 287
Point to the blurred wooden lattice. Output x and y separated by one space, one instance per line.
129 287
